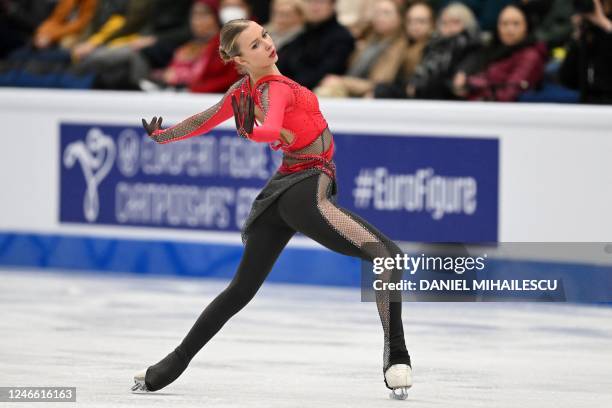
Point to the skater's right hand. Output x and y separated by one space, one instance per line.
153 126
244 114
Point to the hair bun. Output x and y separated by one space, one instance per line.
224 55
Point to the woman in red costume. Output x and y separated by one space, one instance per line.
300 196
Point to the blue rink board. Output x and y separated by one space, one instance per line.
156 257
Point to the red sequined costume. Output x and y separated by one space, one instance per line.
287 106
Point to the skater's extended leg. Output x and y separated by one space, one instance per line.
306 208
267 237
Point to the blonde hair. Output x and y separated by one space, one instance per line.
228 47
297 5
463 13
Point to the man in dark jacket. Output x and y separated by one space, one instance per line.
551 20
588 64
170 29
18 21
323 48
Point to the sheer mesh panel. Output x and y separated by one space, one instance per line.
259 115
316 147
312 156
264 97
359 235
192 123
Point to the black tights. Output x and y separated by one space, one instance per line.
303 207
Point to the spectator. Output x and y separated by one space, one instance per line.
457 36
324 47
287 21
197 65
377 59
486 11
168 30
235 9
152 47
419 26
551 20
513 63
588 64
261 10
355 15
68 19
120 22
46 67
59 32
19 19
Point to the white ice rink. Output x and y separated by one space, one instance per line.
294 346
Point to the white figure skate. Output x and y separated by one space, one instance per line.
139 386
399 378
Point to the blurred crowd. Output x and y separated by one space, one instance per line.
492 50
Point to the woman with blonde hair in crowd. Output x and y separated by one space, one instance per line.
286 20
356 15
377 58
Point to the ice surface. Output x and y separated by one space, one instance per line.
294 346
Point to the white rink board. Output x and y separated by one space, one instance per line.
294 346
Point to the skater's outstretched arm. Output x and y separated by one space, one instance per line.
197 124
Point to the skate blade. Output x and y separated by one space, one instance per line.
139 387
400 393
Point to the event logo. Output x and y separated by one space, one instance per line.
422 188
418 191
96 155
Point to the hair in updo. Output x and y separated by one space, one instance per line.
229 46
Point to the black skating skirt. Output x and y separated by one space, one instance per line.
276 185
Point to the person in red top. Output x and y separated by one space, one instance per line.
211 75
300 196
196 65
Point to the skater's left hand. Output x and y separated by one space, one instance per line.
153 126
244 114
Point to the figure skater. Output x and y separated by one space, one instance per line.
300 196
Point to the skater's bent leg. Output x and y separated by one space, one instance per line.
267 238
306 208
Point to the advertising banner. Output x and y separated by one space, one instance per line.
413 188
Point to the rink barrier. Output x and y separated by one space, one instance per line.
553 167
550 180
